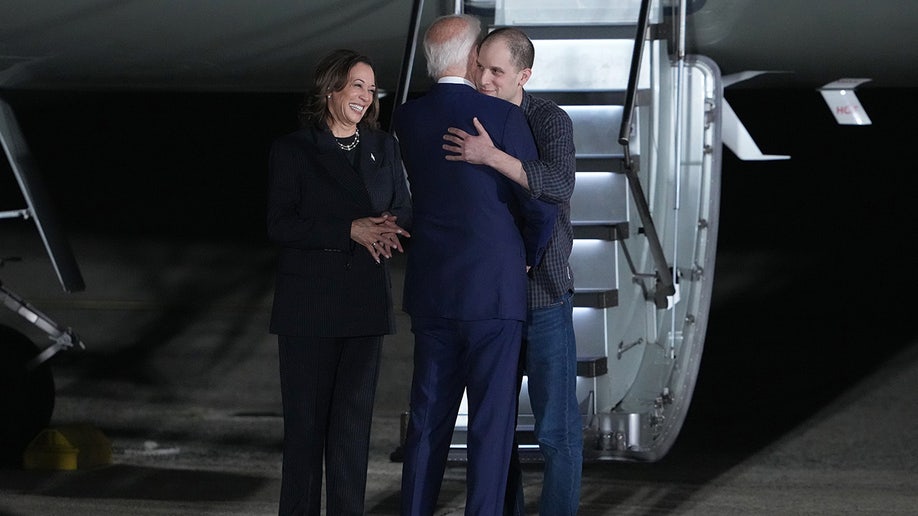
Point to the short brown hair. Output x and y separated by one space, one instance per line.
522 53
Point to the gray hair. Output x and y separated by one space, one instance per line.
448 42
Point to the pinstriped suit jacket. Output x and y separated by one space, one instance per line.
328 285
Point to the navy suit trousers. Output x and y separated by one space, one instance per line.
451 356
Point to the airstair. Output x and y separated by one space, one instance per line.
644 211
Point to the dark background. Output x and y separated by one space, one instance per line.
836 222
195 164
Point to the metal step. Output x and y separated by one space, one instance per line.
595 97
595 286
596 131
582 65
582 12
624 30
595 298
591 367
600 198
604 231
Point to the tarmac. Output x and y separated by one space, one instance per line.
180 374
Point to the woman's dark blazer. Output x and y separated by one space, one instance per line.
327 285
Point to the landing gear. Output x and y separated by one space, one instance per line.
26 395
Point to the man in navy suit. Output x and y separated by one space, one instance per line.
475 234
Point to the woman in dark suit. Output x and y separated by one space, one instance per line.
338 202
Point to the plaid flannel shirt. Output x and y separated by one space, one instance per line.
551 178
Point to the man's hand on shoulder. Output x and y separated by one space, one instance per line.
476 149
480 150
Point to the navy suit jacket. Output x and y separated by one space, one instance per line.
328 285
474 231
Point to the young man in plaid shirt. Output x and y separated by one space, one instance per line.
504 65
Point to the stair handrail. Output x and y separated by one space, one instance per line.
665 283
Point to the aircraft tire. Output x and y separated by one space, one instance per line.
26 397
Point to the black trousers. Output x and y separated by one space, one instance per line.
328 387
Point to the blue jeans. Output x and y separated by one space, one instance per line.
551 367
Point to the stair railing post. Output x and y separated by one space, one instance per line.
665 285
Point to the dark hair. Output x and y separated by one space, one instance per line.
330 76
522 53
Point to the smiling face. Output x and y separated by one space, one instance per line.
497 75
347 106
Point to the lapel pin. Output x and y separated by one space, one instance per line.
372 157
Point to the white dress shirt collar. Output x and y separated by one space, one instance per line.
452 79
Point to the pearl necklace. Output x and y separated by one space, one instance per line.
350 146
